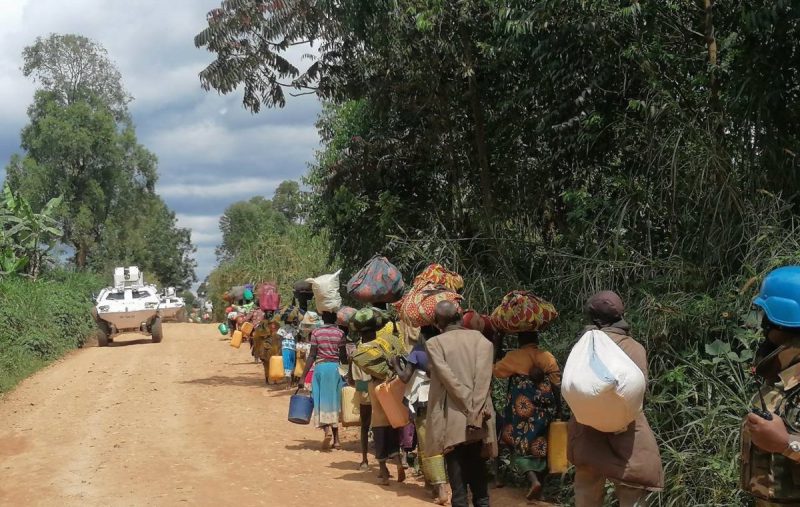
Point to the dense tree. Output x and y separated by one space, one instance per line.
289 200
147 235
75 68
188 297
563 146
27 236
77 151
244 220
202 289
81 146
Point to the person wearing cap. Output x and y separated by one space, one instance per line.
771 431
630 460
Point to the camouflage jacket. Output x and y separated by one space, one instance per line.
775 477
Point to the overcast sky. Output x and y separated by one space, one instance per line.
211 151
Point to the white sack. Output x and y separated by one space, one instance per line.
602 385
326 292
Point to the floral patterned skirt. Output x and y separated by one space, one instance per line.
530 409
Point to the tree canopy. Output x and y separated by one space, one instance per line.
73 68
80 146
563 146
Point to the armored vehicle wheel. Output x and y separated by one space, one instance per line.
155 330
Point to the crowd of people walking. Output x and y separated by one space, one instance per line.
416 372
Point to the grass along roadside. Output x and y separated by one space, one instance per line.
41 321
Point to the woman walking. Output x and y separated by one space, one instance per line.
533 402
327 346
373 359
415 371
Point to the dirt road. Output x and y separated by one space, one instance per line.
188 421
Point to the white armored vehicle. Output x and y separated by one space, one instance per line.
172 306
128 305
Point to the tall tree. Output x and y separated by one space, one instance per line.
81 145
75 68
147 235
242 221
289 200
78 151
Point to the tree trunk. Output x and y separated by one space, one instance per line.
479 129
80 255
711 48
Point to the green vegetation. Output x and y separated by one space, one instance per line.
40 321
562 146
83 182
81 147
262 242
26 237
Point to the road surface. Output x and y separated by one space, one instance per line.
188 421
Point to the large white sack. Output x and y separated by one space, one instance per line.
326 292
602 385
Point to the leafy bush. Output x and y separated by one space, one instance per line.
282 257
42 320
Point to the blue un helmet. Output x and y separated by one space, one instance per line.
780 297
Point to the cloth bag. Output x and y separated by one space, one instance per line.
602 385
379 281
440 275
373 357
522 311
326 292
344 315
419 306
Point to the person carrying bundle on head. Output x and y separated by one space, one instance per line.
378 345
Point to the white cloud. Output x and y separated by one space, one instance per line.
201 222
242 188
205 229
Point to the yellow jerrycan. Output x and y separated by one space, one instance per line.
236 339
299 367
557 461
351 416
390 396
247 329
276 368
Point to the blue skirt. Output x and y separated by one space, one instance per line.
326 389
289 356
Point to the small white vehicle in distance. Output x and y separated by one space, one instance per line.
128 305
173 307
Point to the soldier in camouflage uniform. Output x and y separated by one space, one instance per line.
771 433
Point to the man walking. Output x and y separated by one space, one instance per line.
461 422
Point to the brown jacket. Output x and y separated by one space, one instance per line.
632 457
460 391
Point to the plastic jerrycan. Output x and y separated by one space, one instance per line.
350 415
299 367
276 368
390 396
236 339
557 461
